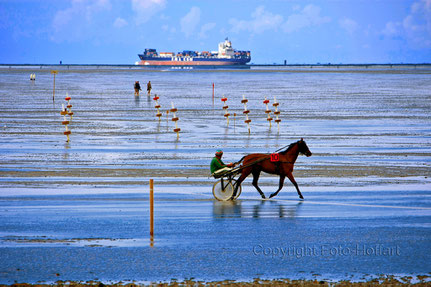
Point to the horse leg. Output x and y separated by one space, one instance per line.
256 174
280 186
244 174
292 179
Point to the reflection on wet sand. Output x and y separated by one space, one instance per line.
137 101
254 209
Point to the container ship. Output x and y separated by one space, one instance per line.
225 56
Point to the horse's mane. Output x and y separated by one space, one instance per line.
289 147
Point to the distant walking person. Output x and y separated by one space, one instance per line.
149 88
137 88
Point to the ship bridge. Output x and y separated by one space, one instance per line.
225 49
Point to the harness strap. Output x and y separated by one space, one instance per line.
255 162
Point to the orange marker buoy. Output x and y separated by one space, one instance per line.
246 112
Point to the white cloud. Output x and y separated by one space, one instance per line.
167 28
120 22
419 19
261 21
296 7
308 17
190 21
145 9
349 25
392 29
72 23
205 29
415 27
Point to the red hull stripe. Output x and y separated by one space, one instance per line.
186 63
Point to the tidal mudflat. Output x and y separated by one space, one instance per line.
79 210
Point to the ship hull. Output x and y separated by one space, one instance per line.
192 63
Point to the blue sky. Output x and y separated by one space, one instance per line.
115 31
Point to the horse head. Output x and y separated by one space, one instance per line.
303 148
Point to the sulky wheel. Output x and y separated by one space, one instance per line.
223 194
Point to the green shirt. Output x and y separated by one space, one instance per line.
216 164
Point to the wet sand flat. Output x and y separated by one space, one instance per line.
354 235
79 210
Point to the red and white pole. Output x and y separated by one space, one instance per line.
277 113
246 112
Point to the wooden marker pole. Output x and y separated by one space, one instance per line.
152 212
213 94
54 72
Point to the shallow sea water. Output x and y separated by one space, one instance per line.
79 210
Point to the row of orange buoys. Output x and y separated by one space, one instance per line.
246 111
173 110
157 106
225 108
67 111
276 113
175 119
268 111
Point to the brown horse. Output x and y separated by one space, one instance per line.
282 165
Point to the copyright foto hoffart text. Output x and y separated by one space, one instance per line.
323 250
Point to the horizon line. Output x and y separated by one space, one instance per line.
246 65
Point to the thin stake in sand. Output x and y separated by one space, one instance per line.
213 95
151 212
54 72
